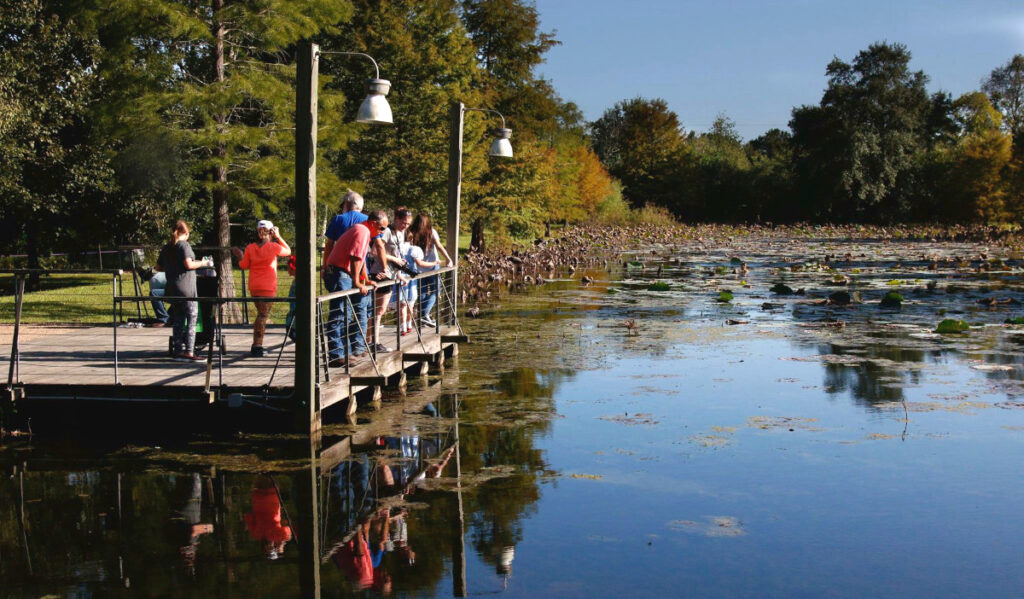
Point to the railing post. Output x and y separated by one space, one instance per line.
347 307
113 287
245 305
19 295
438 281
371 347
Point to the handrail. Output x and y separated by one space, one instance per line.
66 271
207 299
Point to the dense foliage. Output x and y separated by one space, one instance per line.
878 147
117 117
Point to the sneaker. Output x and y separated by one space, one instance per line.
341 362
256 351
380 348
428 322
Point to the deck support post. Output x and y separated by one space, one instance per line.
307 74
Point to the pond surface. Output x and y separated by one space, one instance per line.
602 440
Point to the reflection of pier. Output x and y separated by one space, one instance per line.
203 506
64 372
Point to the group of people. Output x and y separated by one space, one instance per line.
365 250
175 277
362 251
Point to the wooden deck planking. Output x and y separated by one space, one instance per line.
85 356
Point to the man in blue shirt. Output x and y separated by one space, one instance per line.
351 214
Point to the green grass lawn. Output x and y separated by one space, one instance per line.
85 299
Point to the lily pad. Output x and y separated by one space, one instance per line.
782 289
659 286
1015 320
892 300
724 296
951 325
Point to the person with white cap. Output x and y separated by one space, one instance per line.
260 258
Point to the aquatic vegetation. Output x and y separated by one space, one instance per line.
1019 320
782 289
951 325
659 286
892 299
724 296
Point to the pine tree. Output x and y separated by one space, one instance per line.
228 100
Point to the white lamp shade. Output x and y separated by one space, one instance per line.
375 108
502 147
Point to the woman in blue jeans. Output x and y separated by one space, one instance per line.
423 234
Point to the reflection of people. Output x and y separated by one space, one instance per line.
186 520
354 559
264 522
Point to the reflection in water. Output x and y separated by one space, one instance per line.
393 512
264 521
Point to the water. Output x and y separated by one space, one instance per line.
813 451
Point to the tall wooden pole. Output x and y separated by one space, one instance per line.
454 191
305 234
307 408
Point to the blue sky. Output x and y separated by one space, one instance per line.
756 60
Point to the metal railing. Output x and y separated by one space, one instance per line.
339 329
430 310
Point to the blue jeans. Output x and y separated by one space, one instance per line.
339 313
428 295
159 311
185 314
157 288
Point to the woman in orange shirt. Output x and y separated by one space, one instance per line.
260 259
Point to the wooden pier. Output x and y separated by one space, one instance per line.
69 370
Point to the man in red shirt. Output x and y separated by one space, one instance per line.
344 269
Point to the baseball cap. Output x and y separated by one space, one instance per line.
264 224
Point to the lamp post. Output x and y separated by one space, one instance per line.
501 147
374 109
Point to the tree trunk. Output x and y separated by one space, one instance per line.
32 249
221 212
476 242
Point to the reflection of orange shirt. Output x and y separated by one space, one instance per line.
265 520
358 568
262 264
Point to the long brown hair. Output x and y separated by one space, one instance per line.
180 228
422 232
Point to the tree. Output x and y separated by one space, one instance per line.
975 185
509 47
855 151
639 141
1005 89
426 53
228 100
50 169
